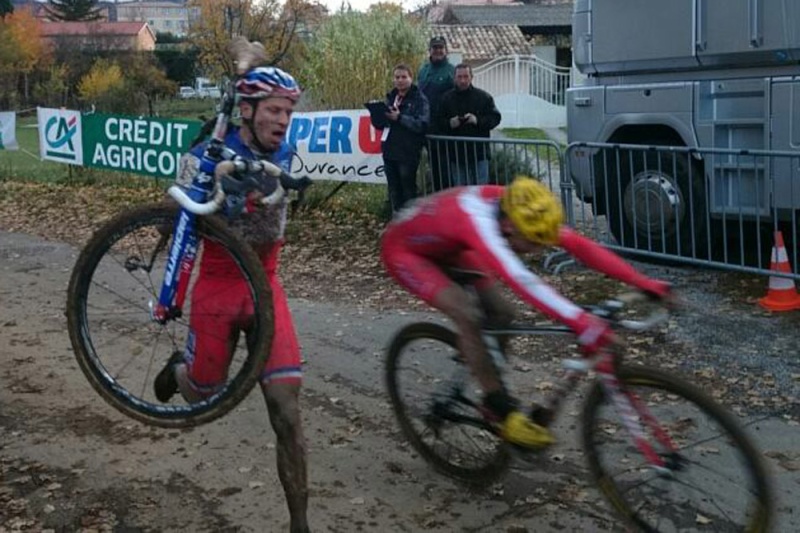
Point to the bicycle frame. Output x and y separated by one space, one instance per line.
687 447
635 415
183 252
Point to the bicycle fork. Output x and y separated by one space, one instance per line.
638 420
180 263
448 393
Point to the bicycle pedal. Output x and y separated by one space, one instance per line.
489 416
540 414
528 455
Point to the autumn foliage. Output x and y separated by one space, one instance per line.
277 25
22 49
351 57
104 78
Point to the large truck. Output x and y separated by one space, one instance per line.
702 74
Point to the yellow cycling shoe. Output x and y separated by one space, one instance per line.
520 430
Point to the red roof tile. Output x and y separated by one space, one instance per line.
51 29
481 43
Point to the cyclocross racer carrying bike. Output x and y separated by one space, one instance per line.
267 97
480 228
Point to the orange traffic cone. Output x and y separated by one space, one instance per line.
781 295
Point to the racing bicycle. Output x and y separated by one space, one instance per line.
662 452
130 296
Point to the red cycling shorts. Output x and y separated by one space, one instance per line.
221 308
421 274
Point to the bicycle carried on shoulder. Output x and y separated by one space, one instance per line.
130 295
662 452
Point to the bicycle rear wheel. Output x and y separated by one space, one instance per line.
436 404
121 349
715 481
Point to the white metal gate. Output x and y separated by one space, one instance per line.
528 91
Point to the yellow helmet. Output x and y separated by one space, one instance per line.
533 209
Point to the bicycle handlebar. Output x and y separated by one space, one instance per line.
226 173
610 309
198 208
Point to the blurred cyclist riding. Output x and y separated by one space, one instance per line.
480 228
267 96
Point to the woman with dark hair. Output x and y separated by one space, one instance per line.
404 126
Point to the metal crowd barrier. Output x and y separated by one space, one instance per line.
452 161
709 207
712 207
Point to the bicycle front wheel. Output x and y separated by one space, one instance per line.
118 346
437 405
714 479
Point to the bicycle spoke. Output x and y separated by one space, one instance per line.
121 348
714 483
436 405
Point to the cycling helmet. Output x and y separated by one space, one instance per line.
264 82
533 209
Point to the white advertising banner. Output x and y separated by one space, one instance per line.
60 135
336 145
8 131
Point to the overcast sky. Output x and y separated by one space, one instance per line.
334 5
362 5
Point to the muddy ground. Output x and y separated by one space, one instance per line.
69 462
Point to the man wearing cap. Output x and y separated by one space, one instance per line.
434 79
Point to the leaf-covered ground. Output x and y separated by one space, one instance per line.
723 341
332 255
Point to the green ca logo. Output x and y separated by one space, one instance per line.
58 134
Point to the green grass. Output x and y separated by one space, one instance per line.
531 134
190 109
25 161
358 199
24 165
543 153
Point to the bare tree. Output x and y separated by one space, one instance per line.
73 10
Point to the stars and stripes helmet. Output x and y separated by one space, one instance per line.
265 82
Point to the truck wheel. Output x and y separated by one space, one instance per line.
656 201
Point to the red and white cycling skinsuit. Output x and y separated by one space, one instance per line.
460 227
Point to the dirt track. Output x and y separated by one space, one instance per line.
68 462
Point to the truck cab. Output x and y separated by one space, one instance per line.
690 74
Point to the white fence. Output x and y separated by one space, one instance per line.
528 91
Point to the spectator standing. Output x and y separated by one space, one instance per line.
467 111
435 78
404 127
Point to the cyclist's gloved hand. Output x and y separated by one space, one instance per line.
661 291
234 205
296 184
594 334
303 183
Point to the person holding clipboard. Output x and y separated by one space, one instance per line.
404 118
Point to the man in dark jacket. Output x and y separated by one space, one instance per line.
404 127
435 78
467 111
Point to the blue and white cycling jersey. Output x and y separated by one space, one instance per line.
265 225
